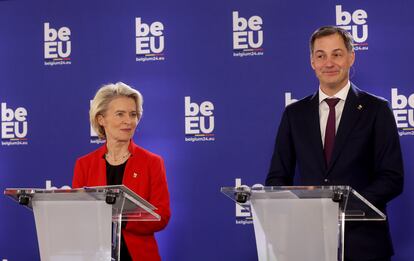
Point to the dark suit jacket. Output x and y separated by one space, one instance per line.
145 175
366 156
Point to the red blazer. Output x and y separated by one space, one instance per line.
145 175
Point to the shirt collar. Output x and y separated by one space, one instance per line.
341 94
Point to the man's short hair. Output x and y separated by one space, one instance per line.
330 30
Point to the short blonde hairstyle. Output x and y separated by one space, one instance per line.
104 96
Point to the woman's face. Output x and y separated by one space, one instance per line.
120 120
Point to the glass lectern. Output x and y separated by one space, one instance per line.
302 222
82 224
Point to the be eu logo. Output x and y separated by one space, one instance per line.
199 120
403 108
247 35
356 24
289 99
243 214
93 135
94 139
13 125
57 46
149 45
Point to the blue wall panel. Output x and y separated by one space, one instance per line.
248 94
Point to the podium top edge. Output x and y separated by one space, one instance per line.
284 188
114 188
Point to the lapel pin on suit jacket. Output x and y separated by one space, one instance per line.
359 107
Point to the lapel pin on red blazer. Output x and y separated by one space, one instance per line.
359 107
135 175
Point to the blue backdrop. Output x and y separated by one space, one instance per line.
236 63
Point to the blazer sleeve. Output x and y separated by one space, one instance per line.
282 167
159 197
388 164
78 180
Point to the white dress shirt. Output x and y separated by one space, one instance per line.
324 108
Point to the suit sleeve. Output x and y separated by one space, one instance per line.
388 168
282 167
159 197
78 180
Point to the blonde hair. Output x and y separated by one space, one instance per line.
104 96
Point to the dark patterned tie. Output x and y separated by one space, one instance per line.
330 129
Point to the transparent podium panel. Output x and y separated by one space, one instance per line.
82 224
302 223
357 208
128 204
78 242
287 224
353 206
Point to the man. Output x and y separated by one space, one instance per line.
352 141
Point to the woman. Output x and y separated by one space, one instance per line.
114 115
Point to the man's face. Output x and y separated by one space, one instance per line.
331 62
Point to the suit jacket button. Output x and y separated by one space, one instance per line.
326 180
